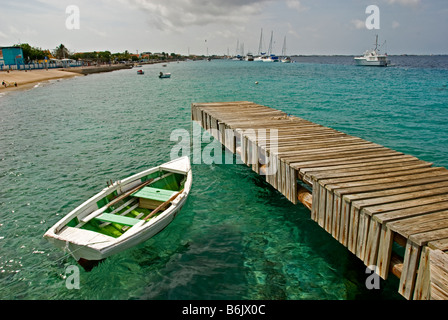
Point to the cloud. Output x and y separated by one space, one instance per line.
359 24
292 31
395 25
24 31
179 14
295 4
408 3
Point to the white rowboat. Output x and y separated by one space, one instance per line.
124 214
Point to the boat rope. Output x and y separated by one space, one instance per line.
71 252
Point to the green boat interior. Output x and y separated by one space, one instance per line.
139 205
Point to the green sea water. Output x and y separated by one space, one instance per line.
236 238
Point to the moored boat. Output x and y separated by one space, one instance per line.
271 58
164 75
124 214
285 58
140 72
373 58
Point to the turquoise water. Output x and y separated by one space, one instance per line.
236 238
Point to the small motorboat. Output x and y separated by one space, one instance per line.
124 214
140 72
164 75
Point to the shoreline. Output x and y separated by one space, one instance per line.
28 79
97 69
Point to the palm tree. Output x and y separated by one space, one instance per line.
61 52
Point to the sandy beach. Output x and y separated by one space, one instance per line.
28 79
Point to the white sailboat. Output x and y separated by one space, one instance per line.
261 54
285 58
270 57
238 56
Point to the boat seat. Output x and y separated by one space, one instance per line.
154 194
126 221
151 198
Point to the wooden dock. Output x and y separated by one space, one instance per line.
370 198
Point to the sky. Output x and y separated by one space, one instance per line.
326 27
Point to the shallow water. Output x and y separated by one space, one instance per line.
236 238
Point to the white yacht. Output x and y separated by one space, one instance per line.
271 58
373 58
263 56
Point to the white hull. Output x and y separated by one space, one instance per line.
372 58
93 246
371 63
266 59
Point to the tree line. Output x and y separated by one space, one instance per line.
61 52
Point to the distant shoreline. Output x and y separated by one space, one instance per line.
30 78
97 69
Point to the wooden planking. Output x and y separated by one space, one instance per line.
364 194
441 244
423 283
410 265
342 209
439 274
432 274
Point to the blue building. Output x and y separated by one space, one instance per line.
11 56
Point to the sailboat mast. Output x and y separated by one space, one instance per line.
270 44
284 48
260 46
